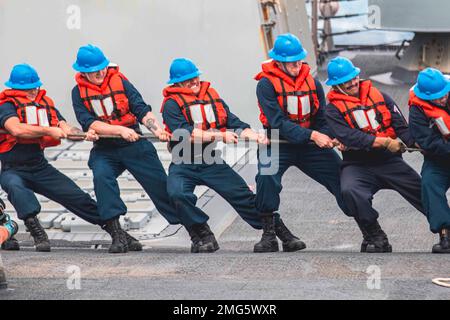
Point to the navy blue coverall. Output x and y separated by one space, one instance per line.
435 169
109 158
322 165
365 170
184 177
25 171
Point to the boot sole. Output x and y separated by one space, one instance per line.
43 249
118 250
264 250
115 251
297 247
8 247
443 251
274 248
208 248
372 249
135 248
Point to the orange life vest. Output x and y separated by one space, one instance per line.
297 98
204 111
367 113
108 101
439 116
40 112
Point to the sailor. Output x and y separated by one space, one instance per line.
104 100
194 108
292 104
34 123
368 122
429 123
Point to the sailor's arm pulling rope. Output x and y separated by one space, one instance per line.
81 136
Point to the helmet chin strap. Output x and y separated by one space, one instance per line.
341 90
285 70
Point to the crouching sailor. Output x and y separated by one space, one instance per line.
367 122
33 123
194 107
292 102
429 121
104 100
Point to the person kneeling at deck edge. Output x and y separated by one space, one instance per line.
33 123
194 106
105 101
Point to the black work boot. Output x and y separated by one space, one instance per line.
11 245
444 244
133 243
38 233
119 238
365 234
208 240
269 242
196 242
290 242
378 240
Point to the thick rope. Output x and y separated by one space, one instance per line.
443 282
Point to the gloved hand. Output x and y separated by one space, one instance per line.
394 145
11 225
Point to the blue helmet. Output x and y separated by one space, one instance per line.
90 59
341 70
182 69
431 84
23 77
287 48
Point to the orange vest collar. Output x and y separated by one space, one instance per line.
271 68
81 79
204 86
365 87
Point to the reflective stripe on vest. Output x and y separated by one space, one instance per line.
297 98
40 112
367 113
442 126
107 102
203 111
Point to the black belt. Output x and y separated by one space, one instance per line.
28 164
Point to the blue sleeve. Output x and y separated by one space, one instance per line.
340 129
398 121
137 104
267 99
428 138
233 122
7 110
174 118
320 123
84 116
